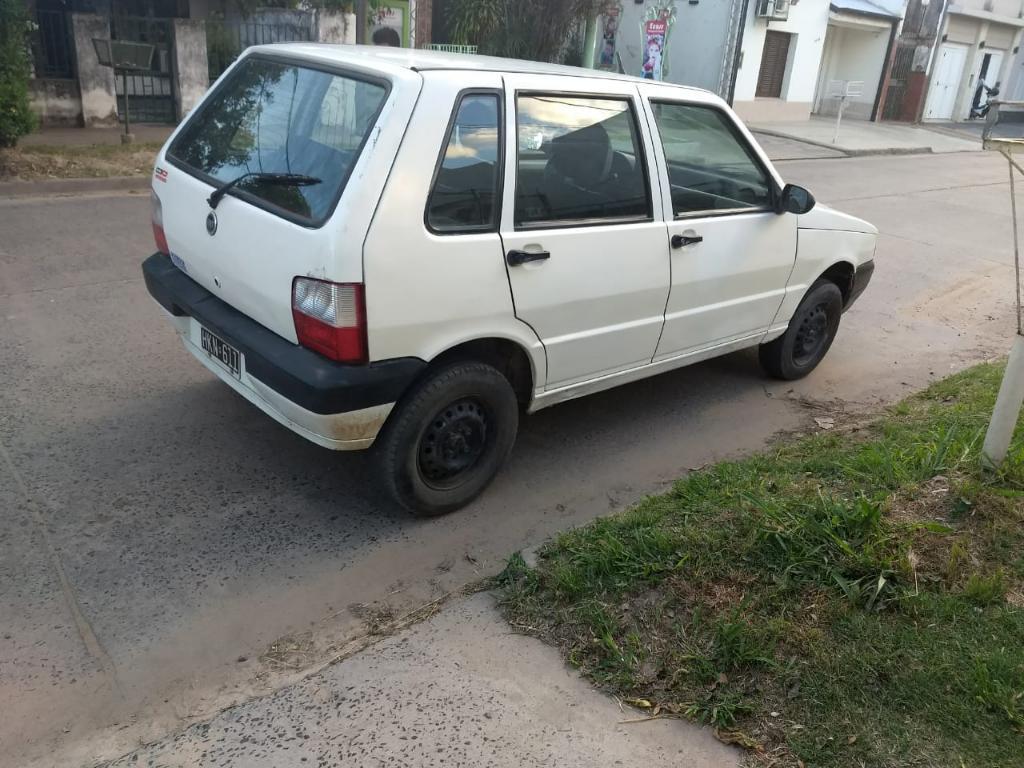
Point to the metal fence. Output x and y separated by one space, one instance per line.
51 45
151 98
225 40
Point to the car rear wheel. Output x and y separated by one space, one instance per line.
447 438
811 332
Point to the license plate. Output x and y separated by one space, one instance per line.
222 352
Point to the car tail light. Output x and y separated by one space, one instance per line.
330 318
157 216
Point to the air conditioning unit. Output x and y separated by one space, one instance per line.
777 10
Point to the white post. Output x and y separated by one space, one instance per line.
1011 391
843 90
839 118
1008 404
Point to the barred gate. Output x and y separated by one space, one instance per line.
151 93
225 40
899 83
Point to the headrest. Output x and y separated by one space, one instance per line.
478 113
584 155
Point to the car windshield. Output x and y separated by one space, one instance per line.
273 117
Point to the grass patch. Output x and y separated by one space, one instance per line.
844 600
40 162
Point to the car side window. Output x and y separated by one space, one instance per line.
710 167
579 159
465 192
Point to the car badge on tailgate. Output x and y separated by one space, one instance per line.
211 223
160 174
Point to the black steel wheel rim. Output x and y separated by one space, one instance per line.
811 335
453 443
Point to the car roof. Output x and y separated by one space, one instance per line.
419 60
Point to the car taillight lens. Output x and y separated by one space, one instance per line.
157 217
330 318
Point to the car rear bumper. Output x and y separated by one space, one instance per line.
335 405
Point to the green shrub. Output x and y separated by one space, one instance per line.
16 118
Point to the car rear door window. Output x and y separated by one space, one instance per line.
579 160
710 166
465 190
272 116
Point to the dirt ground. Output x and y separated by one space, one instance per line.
43 162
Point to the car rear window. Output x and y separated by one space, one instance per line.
277 117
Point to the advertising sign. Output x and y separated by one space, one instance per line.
389 24
655 35
609 32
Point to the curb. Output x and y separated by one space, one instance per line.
56 187
846 150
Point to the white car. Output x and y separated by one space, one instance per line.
408 250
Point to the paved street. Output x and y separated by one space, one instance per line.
167 550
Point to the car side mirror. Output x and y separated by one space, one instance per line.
794 199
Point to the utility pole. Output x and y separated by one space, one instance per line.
590 42
361 12
1011 392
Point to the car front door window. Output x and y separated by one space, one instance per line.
710 168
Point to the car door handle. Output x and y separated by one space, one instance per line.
518 258
681 241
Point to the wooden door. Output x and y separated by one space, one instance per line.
773 65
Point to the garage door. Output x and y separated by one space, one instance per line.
773 65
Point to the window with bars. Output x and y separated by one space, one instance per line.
51 46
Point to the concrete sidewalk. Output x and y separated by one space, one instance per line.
781 148
460 689
859 137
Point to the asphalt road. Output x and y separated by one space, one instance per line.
166 549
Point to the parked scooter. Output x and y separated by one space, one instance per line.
980 108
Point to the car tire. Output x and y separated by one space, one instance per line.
811 332
447 438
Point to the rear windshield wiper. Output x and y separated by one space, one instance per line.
281 179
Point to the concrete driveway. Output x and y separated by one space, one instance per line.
167 550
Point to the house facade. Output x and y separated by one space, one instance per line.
780 54
193 42
906 80
772 59
978 41
858 42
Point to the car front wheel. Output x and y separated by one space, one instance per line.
447 438
811 332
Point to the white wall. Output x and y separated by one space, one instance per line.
1013 85
855 54
807 23
1011 8
698 45
972 31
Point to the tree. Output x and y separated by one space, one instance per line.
16 118
523 29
